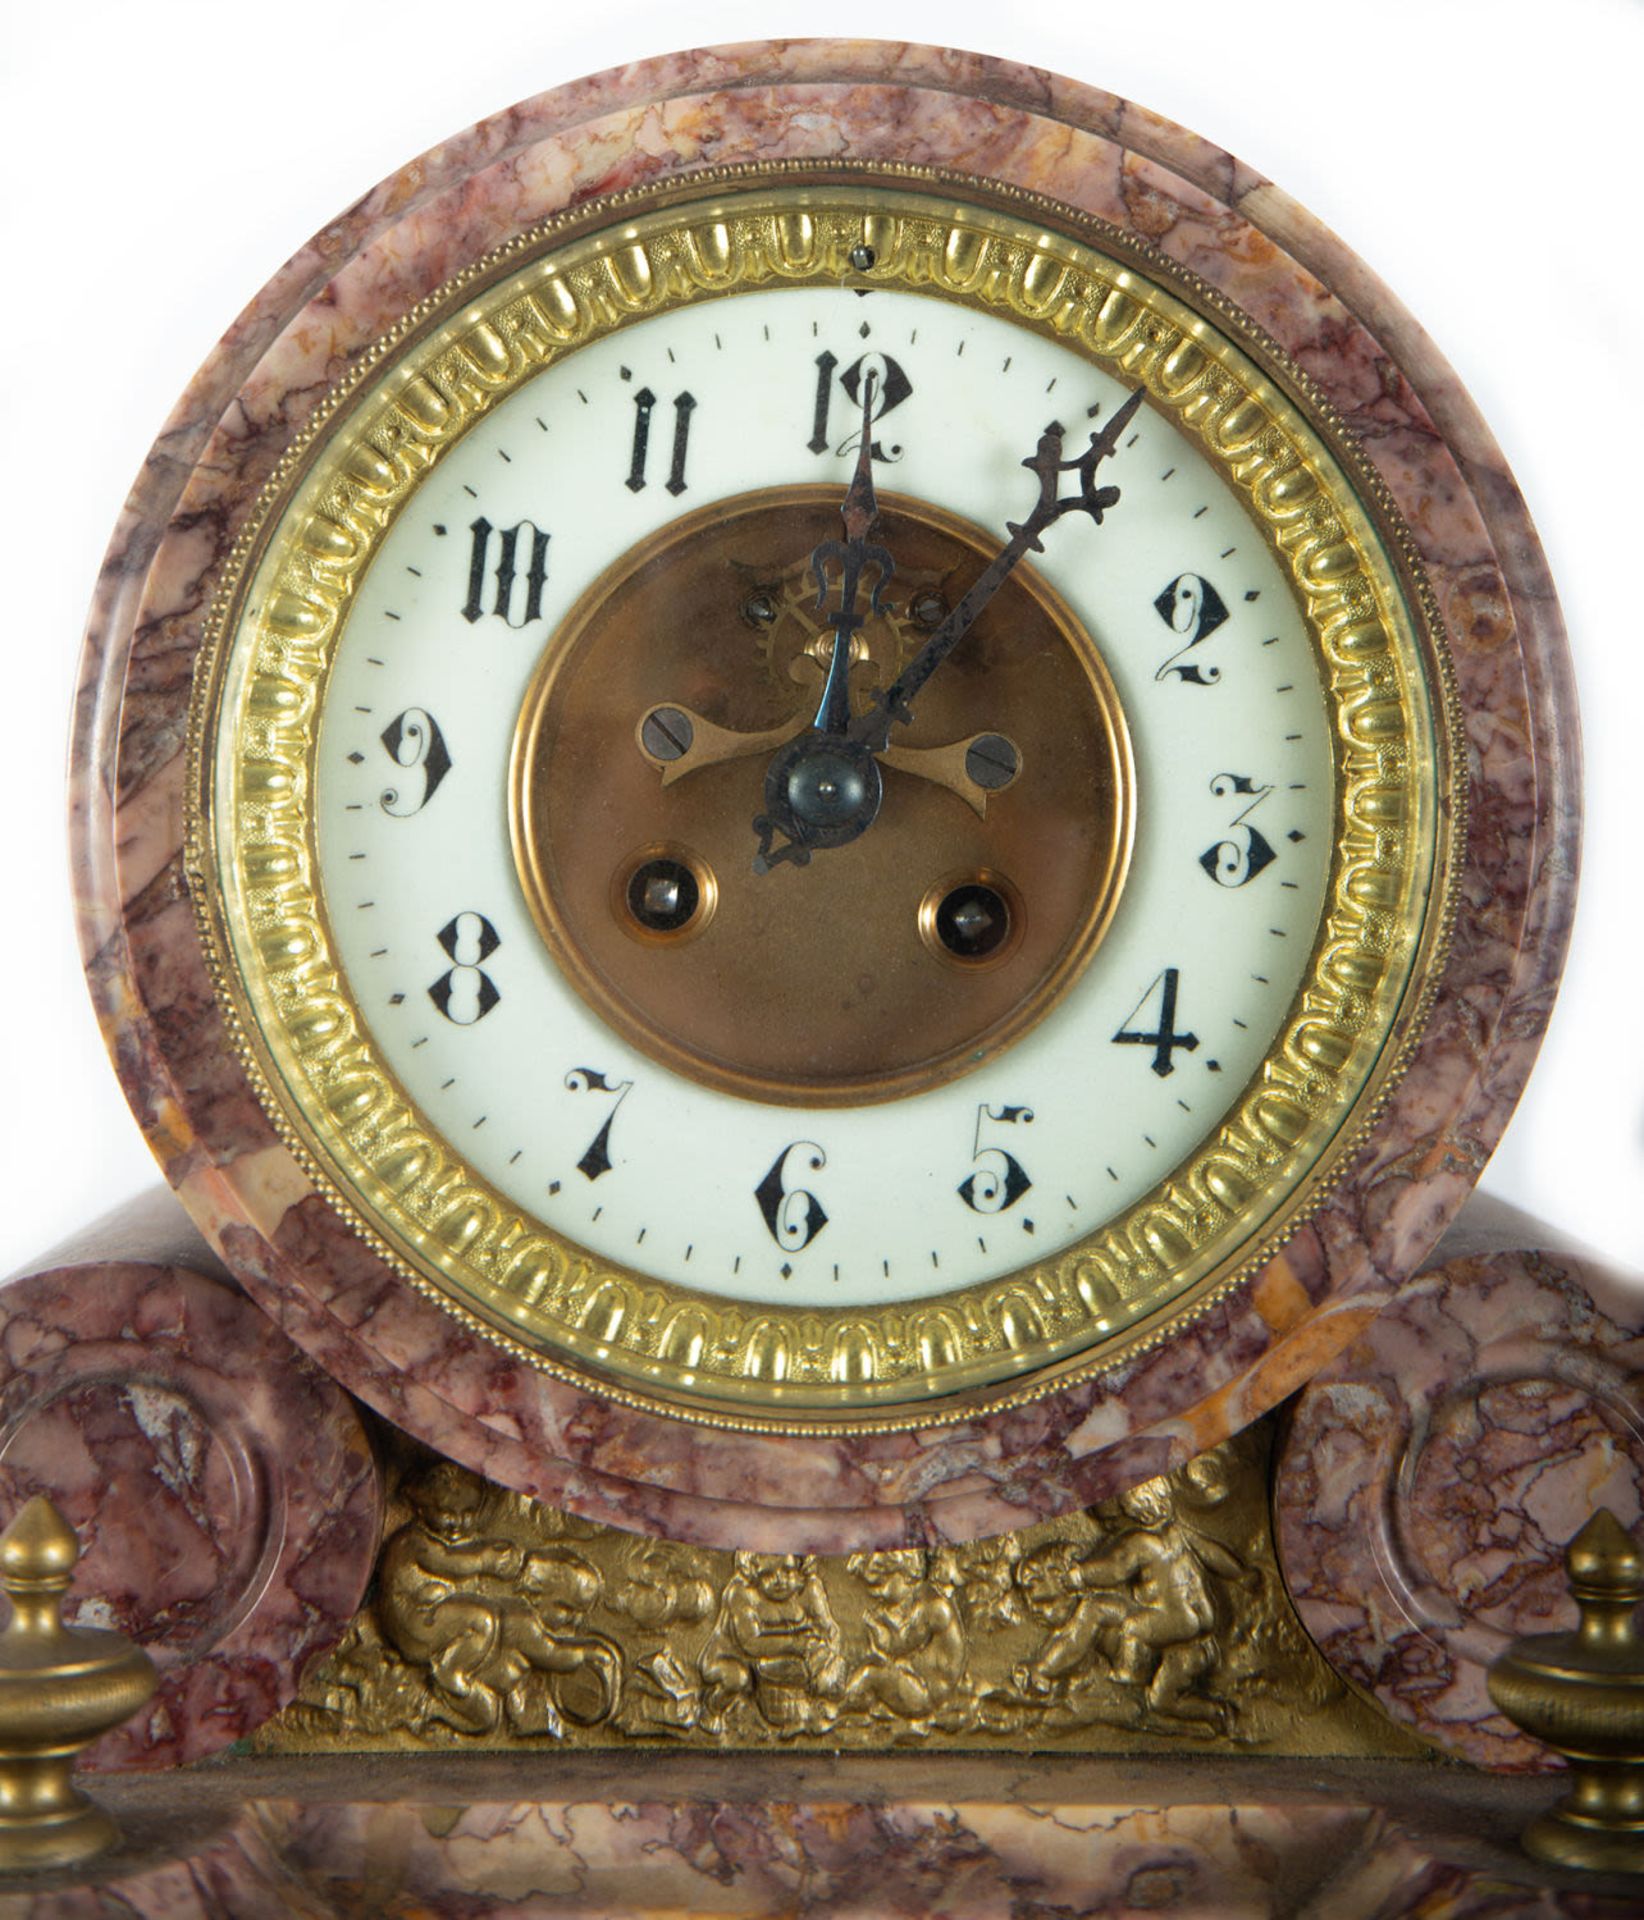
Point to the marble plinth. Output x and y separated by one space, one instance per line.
795 101
955 1840
1434 1472
224 1492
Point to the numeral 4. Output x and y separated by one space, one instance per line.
1163 1039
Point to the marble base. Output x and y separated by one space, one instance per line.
961 1839
226 1496
1434 1473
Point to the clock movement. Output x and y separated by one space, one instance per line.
842 827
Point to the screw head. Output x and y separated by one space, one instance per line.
759 609
992 762
928 609
863 257
666 733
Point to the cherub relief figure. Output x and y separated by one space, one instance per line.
916 1642
1144 1603
489 1619
981 1575
775 1646
664 1693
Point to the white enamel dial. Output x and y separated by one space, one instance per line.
836 1205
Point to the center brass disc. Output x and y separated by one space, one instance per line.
828 983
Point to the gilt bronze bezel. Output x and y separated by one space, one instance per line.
1229 1206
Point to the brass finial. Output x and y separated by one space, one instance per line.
60 1688
1583 1694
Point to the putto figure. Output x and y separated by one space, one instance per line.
775 1646
915 1663
1145 1604
489 1620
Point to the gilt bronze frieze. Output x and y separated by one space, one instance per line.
1153 1619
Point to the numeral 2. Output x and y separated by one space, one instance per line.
1191 606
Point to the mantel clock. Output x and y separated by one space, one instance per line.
825 795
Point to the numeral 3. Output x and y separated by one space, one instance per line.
1229 863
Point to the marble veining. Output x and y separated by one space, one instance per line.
441 1842
225 1494
1436 1469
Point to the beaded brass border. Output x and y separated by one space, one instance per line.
1399 825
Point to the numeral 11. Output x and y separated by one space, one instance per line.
644 404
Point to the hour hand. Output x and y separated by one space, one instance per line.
677 741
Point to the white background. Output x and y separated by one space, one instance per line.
161 160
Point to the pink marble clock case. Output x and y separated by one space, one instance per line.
666 117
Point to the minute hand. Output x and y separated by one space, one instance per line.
873 728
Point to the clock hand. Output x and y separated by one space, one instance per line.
873 729
679 742
854 555
821 790
824 789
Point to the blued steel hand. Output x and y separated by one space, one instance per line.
820 785
853 556
874 728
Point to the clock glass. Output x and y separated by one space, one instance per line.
824 798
